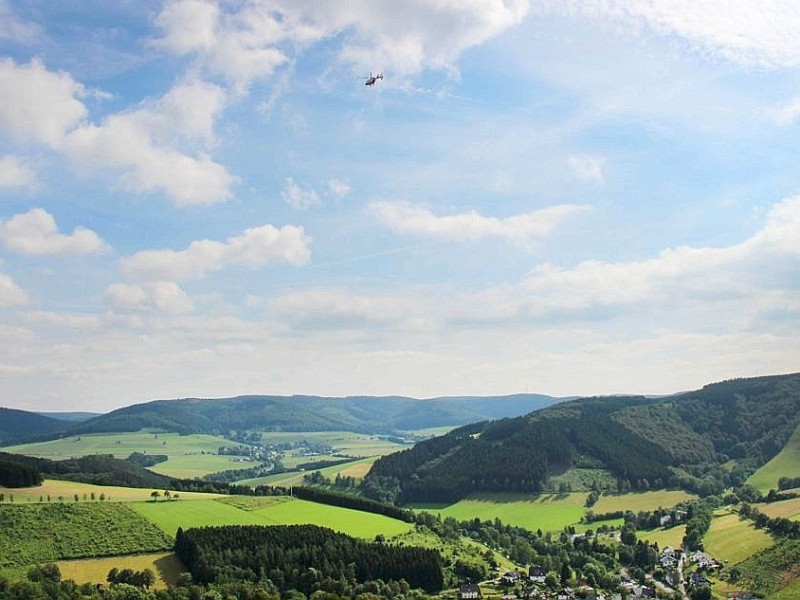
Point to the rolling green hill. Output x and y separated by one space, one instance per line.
19 424
367 414
679 441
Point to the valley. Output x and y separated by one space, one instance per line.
595 517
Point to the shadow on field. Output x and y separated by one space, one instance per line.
168 569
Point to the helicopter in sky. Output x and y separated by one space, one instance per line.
372 79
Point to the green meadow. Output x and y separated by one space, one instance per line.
355 468
664 537
188 455
635 502
52 490
278 511
732 540
787 509
548 512
784 464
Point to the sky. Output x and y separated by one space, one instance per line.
201 198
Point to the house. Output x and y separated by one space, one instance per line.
469 591
668 561
537 574
665 520
565 594
511 578
697 580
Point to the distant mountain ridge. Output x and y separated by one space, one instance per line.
702 441
360 414
20 424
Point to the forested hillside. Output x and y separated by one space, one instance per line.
643 443
19 424
366 414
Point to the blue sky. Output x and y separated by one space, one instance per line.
203 198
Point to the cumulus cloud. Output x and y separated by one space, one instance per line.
160 296
256 247
759 269
10 293
38 104
251 41
587 166
299 197
405 217
145 145
16 174
763 33
35 233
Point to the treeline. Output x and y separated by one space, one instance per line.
14 474
354 502
306 558
147 460
778 526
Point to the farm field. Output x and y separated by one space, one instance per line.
164 565
785 464
190 455
55 489
343 442
788 509
549 512
664 537
731 540
276 511
356 468
641 501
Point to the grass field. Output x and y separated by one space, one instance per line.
343 442
189 455
356 468
67 490
785 464
290 511
664 537
788 509
731 540
641 501
165 566
548 512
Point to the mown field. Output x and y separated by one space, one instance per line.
788 509
356 468
164 565
664 537
641 501
785 464
56 489
269 511
49 532
732 540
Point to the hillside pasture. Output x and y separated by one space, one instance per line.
636 502
356 468
784 464
188 455
55 489
347 443
49 532
787 509
664 537
548 512
164 565
732 540
268 511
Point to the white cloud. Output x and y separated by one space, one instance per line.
162 296
36 233
15 29
339 188
298 197
38 104
16 174
405 217
256 247
143 144
757 270
250 43
338 307
763 33
10 293
786 113
587 166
